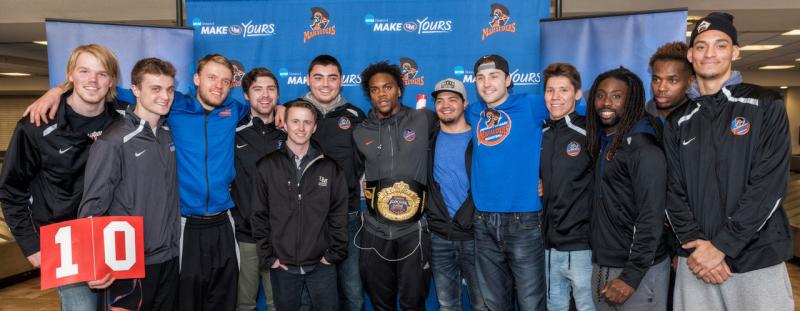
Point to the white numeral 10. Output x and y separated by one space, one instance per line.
64 240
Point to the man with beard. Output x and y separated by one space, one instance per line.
393 142
450 205
630 268
671 77
204 128
256 136
728 152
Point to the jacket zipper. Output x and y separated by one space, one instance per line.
300 210
205 142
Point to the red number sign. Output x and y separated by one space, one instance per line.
86 249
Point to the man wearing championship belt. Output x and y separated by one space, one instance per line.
393 144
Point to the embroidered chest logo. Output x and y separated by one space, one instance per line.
409 135
493 127
225 113
344 123
573 149
323 182
94 135
740 126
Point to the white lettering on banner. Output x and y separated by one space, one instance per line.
387 27
426 26
110 245
64 240
529 78
257 30
296 80
468 79
351 79
214 30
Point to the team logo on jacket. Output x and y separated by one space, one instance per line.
344 123
493 127
320 24
225 112
323 182
573 149
740 126
409 135
500 21
411 72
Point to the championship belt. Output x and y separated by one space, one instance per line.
395 200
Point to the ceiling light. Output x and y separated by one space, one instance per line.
783 87
793 32
14 74
40 42
688 33
776 67
737 58
759 47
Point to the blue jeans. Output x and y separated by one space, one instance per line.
510 260
569 273
351 292
77 297
453 261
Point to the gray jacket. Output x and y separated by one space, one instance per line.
131 172
395 147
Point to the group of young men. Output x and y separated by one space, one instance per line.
237 196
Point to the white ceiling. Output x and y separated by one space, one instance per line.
758 22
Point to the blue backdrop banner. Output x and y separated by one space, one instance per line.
432 40
129 43
597 44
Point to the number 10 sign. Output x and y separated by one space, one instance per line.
87 249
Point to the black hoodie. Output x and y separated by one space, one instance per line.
630 192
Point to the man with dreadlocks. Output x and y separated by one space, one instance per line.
630 189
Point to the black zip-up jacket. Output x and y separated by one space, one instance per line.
627 223
728 156
131 172
299 221
334 136
254 140
567 174
42 178
394 147
458 228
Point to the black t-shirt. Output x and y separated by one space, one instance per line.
91 126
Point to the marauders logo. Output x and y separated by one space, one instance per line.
409 135
344 123
493 127
238 73
398 202
410 72
320 24
573 149
740 126
499 21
